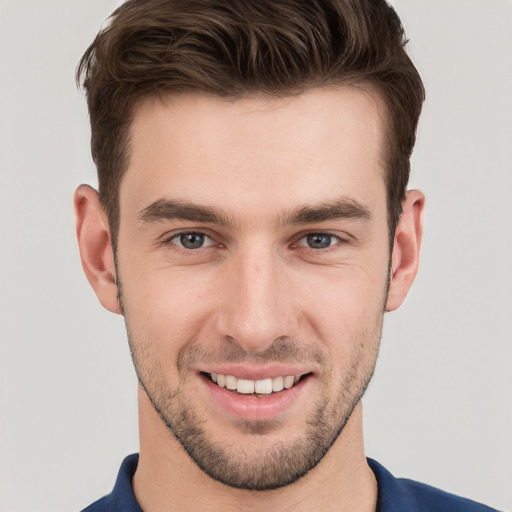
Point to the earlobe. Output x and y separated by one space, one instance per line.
95 246
406 249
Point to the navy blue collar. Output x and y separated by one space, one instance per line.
392 497
394 494
122 496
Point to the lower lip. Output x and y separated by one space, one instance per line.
252 407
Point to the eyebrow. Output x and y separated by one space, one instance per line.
343 208
167 209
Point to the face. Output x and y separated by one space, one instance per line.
253 265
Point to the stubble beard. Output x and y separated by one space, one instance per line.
280 464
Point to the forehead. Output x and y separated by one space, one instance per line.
306 148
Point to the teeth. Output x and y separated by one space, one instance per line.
277 384
245 386
289 381
231 382
260 387
263 387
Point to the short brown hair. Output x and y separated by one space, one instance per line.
234 48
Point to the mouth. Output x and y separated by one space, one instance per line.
271 394
261 387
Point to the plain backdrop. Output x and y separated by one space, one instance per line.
439 409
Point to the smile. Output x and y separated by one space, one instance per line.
272 391
258 387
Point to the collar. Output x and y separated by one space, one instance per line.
393 494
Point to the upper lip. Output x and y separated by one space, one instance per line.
256 372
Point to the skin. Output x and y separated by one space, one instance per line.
255 287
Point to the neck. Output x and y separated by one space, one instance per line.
167 478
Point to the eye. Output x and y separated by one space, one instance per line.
191 240
319 241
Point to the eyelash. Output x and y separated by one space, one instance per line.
339 241
175 236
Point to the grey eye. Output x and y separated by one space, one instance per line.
319 240
192 240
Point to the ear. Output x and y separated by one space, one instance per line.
95 245
406 249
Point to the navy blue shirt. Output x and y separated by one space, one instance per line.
395 494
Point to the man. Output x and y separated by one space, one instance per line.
253 225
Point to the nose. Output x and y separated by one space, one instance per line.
256 308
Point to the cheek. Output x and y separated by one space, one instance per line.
346 312
168 307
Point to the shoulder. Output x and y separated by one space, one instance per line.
404 495
104 504
433 499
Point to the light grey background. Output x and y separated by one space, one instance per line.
439 409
